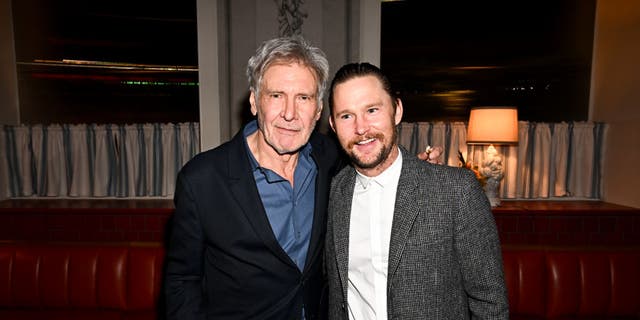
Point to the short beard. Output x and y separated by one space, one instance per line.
379 158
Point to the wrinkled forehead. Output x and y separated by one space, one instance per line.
291 75
290 62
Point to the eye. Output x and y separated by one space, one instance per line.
305 98
275 95
345 116
373 110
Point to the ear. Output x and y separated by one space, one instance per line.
252 101
398 115
319 113
331 123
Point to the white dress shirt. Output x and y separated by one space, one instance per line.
369 236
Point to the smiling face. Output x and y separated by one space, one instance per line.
287 108
364 120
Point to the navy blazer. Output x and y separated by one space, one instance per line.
224 261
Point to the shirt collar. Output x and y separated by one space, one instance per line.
386 178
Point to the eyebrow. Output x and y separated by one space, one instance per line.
268 91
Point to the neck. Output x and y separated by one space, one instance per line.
384 165
267 157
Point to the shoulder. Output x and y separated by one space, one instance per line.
344 178
435 172
446 186
327 152
216 159
323 146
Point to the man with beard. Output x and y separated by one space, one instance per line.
406 239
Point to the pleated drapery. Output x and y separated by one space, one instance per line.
89 160
551 160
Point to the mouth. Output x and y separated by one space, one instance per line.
364 142
289 130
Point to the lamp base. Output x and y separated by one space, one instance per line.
492 170
491 191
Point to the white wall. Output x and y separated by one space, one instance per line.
210 89
615 96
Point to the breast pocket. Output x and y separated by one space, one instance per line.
430 229
431 240
426 259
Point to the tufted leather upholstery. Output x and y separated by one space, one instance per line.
80 281
122 281
576 283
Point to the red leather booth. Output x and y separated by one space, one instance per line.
80 281
573 283
122 281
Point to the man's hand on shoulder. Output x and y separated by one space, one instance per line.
432 154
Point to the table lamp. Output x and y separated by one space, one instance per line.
489 126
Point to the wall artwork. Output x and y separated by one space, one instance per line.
290 17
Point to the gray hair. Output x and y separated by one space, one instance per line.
288 50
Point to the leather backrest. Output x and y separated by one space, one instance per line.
573 282
524 276
122 276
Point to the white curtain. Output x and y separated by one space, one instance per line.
551 159
142 160
89 160
80 170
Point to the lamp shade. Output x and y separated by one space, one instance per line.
493 125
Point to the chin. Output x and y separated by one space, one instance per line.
290 149
364 163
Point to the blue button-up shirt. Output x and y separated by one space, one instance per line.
289 209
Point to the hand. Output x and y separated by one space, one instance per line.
431 154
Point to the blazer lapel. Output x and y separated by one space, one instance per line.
243 188
407 207
341 215
316 243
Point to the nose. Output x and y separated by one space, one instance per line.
362 126
289 110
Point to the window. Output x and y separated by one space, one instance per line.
445 57
107 61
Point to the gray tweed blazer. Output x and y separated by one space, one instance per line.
444 255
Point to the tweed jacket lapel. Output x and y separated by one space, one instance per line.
408 205
341 204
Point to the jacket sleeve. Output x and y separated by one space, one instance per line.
478 249
184 269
